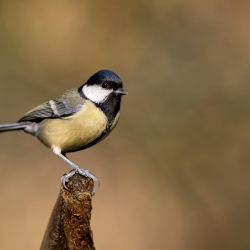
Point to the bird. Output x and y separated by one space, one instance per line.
75 120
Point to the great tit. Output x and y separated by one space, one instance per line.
77 119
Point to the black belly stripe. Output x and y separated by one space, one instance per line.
91 143
110 107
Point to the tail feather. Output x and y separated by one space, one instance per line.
13 126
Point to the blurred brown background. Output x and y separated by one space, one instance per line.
175 172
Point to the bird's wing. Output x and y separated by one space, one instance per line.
50 109
65 104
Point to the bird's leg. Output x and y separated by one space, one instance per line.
75 169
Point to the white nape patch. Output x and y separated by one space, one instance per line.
53 107
95 93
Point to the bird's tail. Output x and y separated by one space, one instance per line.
13 126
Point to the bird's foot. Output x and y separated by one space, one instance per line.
65 178
87 174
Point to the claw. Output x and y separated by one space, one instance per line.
93 191
89 175
65 178
96 180
76 169
63 181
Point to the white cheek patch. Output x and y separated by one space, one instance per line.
95 93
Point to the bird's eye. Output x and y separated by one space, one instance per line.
104 85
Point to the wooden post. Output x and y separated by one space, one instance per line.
69 224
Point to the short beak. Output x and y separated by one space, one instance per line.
121 91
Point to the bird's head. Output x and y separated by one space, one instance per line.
103 85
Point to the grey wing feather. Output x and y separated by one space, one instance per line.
51 109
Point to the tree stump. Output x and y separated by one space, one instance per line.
69 224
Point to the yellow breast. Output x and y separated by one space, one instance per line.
73 132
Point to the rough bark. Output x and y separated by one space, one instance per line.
69 224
